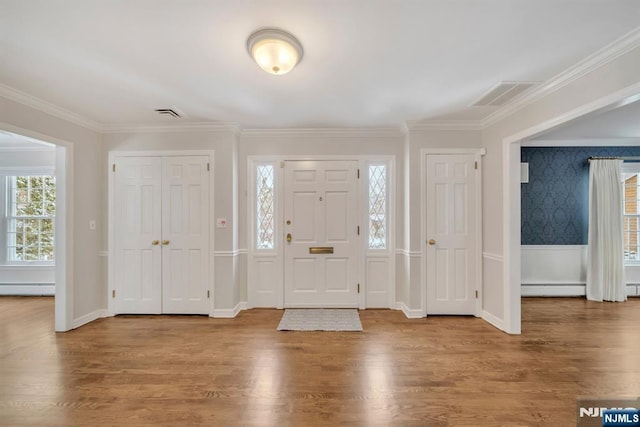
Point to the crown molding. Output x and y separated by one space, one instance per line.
583 142
613 50
181 127
46 107
430 125
364 132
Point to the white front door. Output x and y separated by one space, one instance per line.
185 235
451 233
161 235
321 234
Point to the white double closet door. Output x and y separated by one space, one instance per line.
161 235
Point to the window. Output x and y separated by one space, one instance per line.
30 214
265 207
377 206
631 218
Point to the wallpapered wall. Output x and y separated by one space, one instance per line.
555 201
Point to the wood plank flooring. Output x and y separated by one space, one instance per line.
192 370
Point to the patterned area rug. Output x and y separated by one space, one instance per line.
321 319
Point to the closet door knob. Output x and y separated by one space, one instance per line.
155 242
165 242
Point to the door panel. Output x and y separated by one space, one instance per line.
138 186
185 226
451 211
322 205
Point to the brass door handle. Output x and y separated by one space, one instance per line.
432 242
165 242
288 237
155 242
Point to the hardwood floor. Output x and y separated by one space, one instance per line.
192 370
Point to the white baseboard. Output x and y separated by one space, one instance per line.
90 317
28 290
565 290
494 320
409 313
229 313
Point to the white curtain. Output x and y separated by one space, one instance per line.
605 253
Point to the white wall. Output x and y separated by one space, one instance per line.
40 279
608 81
85 282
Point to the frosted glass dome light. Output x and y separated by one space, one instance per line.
275 51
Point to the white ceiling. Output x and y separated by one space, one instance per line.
12 142
366 62
622 122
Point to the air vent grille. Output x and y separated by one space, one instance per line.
169 112
502 93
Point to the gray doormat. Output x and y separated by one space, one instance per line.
320 319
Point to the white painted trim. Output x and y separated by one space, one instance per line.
28 289
41 149
408 312
478 152
349 133
431 125
590 142
178 127
553 290
493 257
90 317
112 155
495 321
28 170
413 254
23 98
228 313
223 254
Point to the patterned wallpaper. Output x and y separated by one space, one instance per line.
555 201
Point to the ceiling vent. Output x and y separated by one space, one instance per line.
502 93
173 112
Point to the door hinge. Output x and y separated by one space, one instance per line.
358 173
208 167
208 294
358 287
476 294
282 164
476 167
113 293
358 230
113 167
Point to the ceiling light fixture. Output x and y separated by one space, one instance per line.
275 51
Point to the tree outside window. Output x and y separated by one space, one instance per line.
30 218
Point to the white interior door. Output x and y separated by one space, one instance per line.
185 235
161 231
321 234
137 252
451 233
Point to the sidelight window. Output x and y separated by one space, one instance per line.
265 207
378 206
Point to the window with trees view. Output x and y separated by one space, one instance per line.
631 219
30 218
